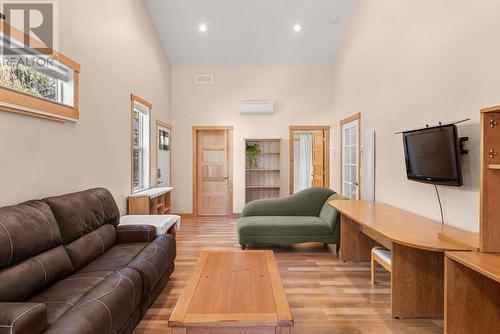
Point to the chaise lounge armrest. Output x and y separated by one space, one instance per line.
23 318
305 203
135 233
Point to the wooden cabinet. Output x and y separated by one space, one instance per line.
472 298
490 180
262 169
154 201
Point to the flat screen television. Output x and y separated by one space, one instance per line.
433 155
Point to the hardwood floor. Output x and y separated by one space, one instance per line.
326 296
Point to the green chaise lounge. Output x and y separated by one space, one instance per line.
303 217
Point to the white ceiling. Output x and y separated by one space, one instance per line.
250 32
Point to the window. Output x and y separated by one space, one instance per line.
141 111
35 83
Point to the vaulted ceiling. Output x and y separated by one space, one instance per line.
250 32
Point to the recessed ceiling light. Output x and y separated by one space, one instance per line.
203 27
297 27
334 19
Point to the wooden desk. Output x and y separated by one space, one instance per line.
472 293
417 288
233 292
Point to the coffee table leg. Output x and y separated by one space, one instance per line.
282 330
179 330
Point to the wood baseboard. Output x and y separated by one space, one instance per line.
185 215
190 215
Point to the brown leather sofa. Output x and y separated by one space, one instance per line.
66 267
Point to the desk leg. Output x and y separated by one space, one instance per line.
472 301
417 283
354 244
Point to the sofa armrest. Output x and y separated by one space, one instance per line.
23 318
135 233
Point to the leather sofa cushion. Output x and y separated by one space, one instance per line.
154 261
106 308
83 212
116 258
23 318
65 294
26 230
92 245
21 281
282 226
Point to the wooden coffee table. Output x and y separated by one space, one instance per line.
233 292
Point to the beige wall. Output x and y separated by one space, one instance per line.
120 53
403 64
302 94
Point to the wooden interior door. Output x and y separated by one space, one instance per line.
318 170
213 173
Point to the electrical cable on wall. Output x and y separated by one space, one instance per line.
440 205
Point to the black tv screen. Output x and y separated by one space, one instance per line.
433 155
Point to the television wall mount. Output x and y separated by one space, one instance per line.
462 142
428 126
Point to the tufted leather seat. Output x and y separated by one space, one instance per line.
66 267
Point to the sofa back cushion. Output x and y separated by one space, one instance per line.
83 212
24 279
84 250
25 230
87 221
307 202
31 255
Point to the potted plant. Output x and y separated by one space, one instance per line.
252 152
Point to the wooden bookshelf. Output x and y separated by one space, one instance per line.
263 172
154 201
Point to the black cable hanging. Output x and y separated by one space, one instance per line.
440 205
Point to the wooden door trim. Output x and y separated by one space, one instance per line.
195 130
213 127
149 105
326 130
169 127
346 120
351 118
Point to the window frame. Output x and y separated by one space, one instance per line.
133 148
26 104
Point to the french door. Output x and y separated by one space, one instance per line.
350 129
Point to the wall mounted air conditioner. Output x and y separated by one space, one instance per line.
257 107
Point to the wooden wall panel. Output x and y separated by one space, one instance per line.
472 301
490 183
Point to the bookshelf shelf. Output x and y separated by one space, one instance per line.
263 171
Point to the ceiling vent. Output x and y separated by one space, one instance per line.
204 79
257 107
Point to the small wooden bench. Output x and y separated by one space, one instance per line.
383 257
